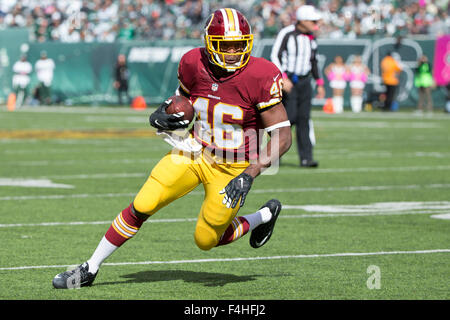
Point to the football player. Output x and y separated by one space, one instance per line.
235 96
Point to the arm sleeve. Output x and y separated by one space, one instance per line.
180 92
184 77
317 75
275 55
116 73
279 47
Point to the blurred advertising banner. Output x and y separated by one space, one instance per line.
441 70
84 72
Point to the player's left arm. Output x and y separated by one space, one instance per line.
277 125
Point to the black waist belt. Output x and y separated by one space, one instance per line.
295 78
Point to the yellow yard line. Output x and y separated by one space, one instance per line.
75 134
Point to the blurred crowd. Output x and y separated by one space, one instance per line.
353 19
118 20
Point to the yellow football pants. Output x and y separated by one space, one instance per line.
177 174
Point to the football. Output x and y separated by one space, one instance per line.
181 104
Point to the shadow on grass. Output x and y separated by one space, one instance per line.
208 279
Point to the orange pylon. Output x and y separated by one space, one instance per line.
139 103
328 106
11 104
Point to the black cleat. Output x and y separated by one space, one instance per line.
309 164
76 278
261 234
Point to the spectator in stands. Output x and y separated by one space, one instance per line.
271 27
44 70
121 79
42 30
126 31
342 18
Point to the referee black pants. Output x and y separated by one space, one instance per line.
298 107
390 97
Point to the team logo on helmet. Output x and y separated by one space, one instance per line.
228 39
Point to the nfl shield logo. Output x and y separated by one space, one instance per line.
214 87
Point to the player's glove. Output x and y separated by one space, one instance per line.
160 119
237 189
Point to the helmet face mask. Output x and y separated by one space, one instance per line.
228 39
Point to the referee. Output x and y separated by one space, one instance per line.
294 53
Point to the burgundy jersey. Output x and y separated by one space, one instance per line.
228 109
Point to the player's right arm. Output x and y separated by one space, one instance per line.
160 119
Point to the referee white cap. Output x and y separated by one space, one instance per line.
307 12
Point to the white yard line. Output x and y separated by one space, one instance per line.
176 220
392 206
75 150
95 176
115 175
318 211
379 154
350 155
237 259
81 223
328 154
68 196
39 163
371 124
282 170
355 188
32 183
337 215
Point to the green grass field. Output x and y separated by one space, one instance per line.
369 223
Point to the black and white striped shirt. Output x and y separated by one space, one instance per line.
295 52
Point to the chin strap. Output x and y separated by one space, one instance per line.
223 65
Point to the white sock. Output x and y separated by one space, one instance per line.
312 135
338 104
356 103
103 251
255 219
